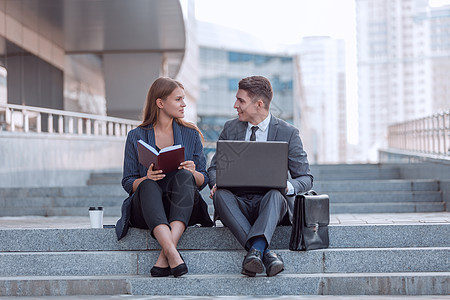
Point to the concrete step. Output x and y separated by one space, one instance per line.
380 197
340 202
368 202
72 191
50 211
367 186
332 173
368 259
351 260
320 172
220 238
356 176
385 207
114 177
356 166
396 185
61 201
355 172
412 283
81 201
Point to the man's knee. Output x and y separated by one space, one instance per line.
219 197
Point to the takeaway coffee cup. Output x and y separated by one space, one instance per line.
96 216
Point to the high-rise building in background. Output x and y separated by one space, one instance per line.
321 65
227 56
308 82
403 66
437 23
188 73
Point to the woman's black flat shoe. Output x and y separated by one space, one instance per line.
179 270
160 272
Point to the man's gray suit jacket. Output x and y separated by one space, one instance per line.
299 173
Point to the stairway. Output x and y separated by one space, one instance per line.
61 201
361 260
375 188
370 188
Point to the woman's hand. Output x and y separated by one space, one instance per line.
155 175
188 165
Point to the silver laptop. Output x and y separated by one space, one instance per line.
251 165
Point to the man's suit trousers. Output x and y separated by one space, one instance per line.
250 215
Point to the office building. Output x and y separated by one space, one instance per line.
321 67
62 58
94 56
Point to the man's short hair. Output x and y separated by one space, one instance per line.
257 87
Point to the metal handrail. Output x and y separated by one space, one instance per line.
21 118
429 135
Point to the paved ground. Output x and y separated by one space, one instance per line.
128 297
335 219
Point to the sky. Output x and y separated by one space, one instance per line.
283 21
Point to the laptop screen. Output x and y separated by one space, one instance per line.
244 164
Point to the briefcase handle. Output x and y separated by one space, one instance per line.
310 192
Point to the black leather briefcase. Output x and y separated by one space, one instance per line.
311 217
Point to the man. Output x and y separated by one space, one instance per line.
252 218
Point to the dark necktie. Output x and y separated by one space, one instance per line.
253 135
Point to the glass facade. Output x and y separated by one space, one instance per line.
26 79
220 72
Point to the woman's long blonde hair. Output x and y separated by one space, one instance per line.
162 88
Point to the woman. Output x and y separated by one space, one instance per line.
161 202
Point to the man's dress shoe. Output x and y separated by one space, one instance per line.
273 263
252 263
248 273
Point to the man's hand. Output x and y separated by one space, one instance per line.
213 190
155 175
